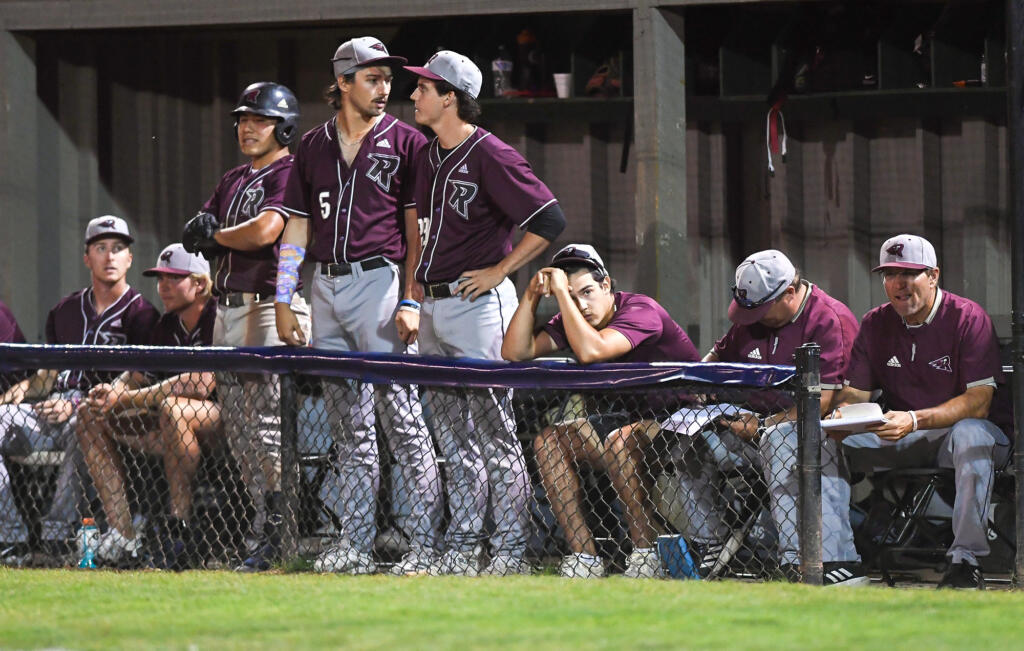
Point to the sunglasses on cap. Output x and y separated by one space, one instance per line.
740 296
573 254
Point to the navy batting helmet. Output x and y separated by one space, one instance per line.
275 101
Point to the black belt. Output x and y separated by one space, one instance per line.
442 290
335 269
238 299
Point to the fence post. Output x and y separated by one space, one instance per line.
1015 122
808 410
289 466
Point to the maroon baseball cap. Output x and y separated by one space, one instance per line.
906 252
360 52
760 279
176 260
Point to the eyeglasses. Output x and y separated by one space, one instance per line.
905 274
745 302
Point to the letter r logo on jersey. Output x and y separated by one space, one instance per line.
383 169
462 193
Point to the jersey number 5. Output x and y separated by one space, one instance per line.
325 204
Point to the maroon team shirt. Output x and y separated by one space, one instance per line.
128 321
924 366
355 212
244 193
10 333
655 337
821 319
170 331
469 200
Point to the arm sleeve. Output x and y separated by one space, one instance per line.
549 223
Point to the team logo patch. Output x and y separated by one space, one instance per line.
252 96
754 354
253 200
896 250
894 363
107 223
383 169
463 169
462 194
166 256
383 143
379 47
942 364
742 293
283 103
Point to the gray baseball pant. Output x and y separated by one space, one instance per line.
973 448
476 427
356 312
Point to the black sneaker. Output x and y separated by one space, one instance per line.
712 558
963 576
849 574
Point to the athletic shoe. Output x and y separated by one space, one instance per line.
849 574
506 565
575 566
113 547
457 563
342 559
643 564
963 576
14 554
713 557
413 563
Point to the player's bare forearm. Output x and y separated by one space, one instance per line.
296 232
254 234
413 248
712 356
847 396
518 342
973 403
185 385
289 330
33 387
527 249
479 281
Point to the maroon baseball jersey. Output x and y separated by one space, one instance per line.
655 337
821 319
923 366
355 212
129 320
10 333
242 194
170 331
468 201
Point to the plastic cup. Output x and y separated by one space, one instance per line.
563 84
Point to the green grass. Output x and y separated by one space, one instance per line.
79 609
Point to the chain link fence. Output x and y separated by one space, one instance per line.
260 458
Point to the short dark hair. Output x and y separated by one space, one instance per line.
333 93
573 268
468 108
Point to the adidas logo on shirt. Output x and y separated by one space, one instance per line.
463 169
754 354
893 362
384 144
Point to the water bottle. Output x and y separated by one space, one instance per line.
501 68
89 536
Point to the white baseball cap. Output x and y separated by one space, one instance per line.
452 67
107 226
176 260
581 253
361 52
760 279
906 252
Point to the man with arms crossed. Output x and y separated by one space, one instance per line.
108 312
935 357
242 224
472 191
351 200
599 325
166 417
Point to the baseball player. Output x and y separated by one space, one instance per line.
108 312
241 224
935 357
472 191
774 311
599 325
10 333
162 416
351 200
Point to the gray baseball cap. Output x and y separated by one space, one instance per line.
452 67
107 226
176 260
361 52
760 279
579 253
906 252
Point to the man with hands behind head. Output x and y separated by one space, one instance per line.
599 325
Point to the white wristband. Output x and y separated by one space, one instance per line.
913 416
